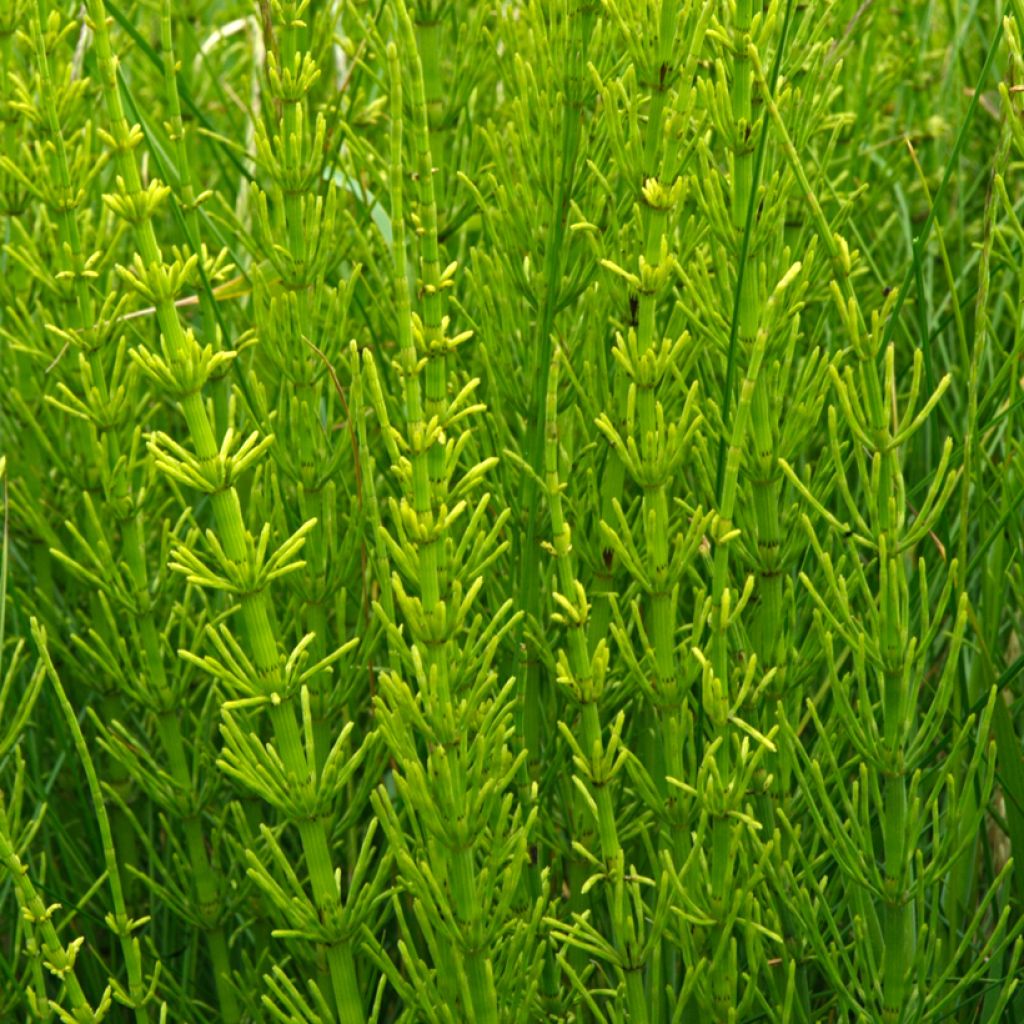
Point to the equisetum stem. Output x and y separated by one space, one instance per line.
316 849
189 197
428 474
230 528
587 697
614 862
205 878
428 44
379 553
724 977
83 317
169 729
664 754
119 922
899 938
769 628
980 676
436 374
531 724
39 916
294 214
578 653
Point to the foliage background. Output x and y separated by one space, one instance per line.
511 511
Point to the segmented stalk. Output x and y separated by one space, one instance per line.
980 677
586 691
427 456
436 373
295 220
724 974
724 977
190 198
381 566
426 18
83 317
669 81
532 726
897 717
230 525
58 958
119 922
207 886
674 68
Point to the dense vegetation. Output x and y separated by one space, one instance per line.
512 512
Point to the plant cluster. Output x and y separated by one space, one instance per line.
511 512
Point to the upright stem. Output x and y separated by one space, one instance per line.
83 318
40 916
429 484
531 724
751 346
189 197
614 861
979 673
898 714
724 974
119 922
230 528
207 886
587 691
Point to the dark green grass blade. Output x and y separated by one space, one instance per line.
729 384
922 239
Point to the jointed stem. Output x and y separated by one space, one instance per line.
230 528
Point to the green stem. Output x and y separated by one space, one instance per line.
230 528
205 878
169 728
39 916
724 977
120 923
83 317
531 725
614 862
429 485
189 204
587 692
980 677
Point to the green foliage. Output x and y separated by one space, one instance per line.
511 512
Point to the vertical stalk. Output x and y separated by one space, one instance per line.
189 196
83 318
587 688
724 975
979 674
57 957
531 725
769 629
207 886
119 922
230 528
429 487
898 714
743 145
668 80
427 25
295 219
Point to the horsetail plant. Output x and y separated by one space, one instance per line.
240 564
510 511
133 591
458 831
